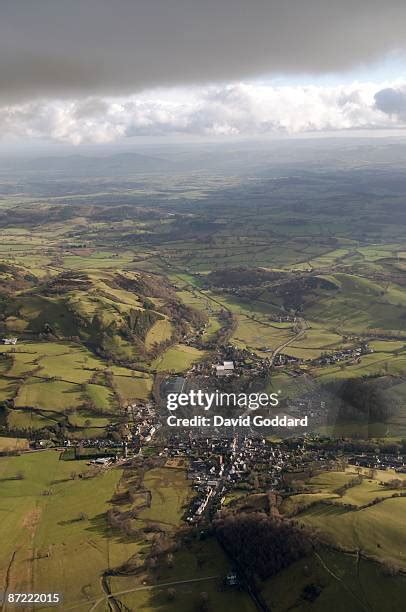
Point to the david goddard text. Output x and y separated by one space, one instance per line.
213 405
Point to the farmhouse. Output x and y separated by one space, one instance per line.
225 369
102 461
231 579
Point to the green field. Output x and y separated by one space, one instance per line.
178 358
256 335
170 491
54 396
132 386
378 530
197 568
60 382
48 519
341 582
159 332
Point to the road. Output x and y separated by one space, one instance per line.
285 344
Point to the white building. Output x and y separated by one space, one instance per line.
228 365
102 461
225 369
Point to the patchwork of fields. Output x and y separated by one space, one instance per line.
60 382
367 516
111 289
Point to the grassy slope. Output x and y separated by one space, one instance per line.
178 358
377 530
204 559
170 491
345 586
160 331
34 525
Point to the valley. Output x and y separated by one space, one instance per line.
117 288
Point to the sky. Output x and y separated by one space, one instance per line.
100 72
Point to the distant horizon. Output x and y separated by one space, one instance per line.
38 150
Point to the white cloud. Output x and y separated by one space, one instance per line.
236 109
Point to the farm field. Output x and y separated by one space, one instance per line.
159 332
51 381
256 335
178 358
376 530
342 584
98 260
170 494
313 342
50 396
70 519
204 565
41 533
131 387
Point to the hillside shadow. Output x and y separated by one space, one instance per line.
98 525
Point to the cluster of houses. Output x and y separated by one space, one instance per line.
283 360
283 318
389 461
231 360
219 464
353 354
142 425
143 421
101 443
347 354
235 361
313 404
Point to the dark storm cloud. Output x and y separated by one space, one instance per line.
74 47
391 102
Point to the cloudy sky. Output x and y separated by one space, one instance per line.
112 71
